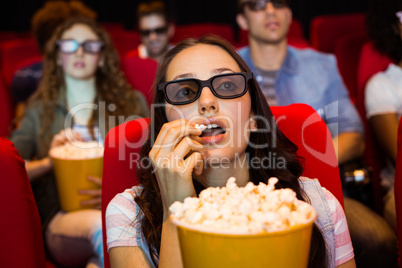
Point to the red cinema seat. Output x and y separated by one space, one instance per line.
8 35
14 52
398 192
6 109
21 234
326 29
124 41
140 74
112 27
299 122
347 52
197 30
371 62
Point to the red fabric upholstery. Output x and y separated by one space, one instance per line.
199 29
29 61
124 41
398 192
13 52
21 231
326 29
112 27
6 109
140 74
303 126
347 51
370 62
299 122
8 35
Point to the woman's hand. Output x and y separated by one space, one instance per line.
37 168
174 156
96 193
64 136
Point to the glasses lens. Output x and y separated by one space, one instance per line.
145 32
182 91
279 3
399 15
229 85
258 5
92 46
68 46
160 30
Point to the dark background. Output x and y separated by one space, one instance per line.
15 15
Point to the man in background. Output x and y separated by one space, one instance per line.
155 30
288 75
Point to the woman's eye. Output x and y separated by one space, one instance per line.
226 86
185 92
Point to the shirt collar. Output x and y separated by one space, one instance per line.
290 64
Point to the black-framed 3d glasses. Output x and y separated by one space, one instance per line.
257 5
158 31
224 86
69 46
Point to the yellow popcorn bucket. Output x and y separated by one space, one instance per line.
72 176
205 248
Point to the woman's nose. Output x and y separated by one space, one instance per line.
207 102
80 51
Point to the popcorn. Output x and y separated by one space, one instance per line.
249 209
200 126
77 151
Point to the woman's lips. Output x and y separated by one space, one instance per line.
214 131
211 140
79 64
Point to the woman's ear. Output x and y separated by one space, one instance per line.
253 124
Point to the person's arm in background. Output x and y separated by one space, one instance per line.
385 128
37 168
382 107
342 118
348 146
25 143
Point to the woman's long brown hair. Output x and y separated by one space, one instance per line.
111 84
149 200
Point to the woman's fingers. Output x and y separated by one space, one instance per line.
91 202
186 145
95 180
194 163
170 135
94 192
174 159
64 136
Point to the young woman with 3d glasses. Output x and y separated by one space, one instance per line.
81 69
205 82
